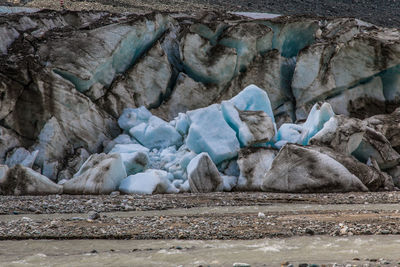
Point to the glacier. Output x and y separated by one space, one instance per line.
150 95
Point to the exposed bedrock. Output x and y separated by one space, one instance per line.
66 77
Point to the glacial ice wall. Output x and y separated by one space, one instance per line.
61 100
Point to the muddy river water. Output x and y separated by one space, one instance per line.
265 252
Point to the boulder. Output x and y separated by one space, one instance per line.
100 174
298 169
254 163
203 175
21 180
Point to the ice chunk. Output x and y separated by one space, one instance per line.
100 174
229 168
21 180
21 156
302 133
50 169
253 98
3 171
149 182
156 134
210 133
120 139
135 162
251 126
254 163
290 133
132 117
229 182
316 119
175 161
203 175
182 123
129 148
185 187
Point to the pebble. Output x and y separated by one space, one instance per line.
115 194
239 264
93 215
261 215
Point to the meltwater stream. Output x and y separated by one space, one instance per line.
264 252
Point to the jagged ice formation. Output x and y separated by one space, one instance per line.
156 91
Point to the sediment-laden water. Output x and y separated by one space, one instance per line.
265 252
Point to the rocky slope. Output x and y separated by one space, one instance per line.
66 77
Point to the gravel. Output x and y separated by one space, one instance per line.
379 12
206 226
111 203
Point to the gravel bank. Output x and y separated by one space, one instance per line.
109 203
379 12
33 220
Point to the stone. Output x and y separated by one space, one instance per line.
298 169
93 215
254 163
203 175
100 174
21 180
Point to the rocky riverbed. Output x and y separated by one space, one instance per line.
199 216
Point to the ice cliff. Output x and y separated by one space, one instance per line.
165 103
